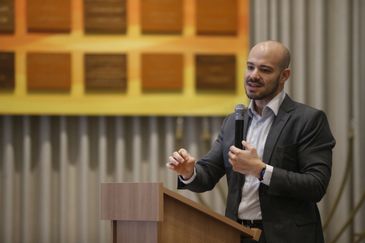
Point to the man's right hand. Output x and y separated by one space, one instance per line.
182 163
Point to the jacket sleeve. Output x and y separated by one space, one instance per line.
210 168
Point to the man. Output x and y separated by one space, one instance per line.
284 169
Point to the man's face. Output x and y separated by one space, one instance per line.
263 78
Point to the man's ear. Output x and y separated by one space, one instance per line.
285 74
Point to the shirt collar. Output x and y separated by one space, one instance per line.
273 105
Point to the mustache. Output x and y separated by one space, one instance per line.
254 81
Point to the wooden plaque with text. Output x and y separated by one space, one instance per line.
216 17
215 72
162 16
6 16
105 16
49 16
162 72
7 70
49 71
105 72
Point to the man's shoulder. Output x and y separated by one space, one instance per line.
302 110
229 119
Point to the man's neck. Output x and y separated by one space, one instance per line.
258 105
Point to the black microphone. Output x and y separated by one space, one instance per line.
238 130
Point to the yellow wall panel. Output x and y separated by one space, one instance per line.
133 44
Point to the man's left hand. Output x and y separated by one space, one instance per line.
245 161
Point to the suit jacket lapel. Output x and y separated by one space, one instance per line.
276 128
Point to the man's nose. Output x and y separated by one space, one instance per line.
255 74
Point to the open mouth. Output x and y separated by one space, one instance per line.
254 84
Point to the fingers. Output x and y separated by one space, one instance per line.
234 150
233 154
177 157
247 145
232 157
170 166
184 154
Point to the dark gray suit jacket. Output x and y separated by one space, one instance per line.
299 147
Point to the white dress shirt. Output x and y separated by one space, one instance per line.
249 207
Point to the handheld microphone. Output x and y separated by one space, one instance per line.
238 130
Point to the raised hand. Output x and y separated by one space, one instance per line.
182 163
245 161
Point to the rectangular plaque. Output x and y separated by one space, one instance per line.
49 72
7 70
6 16
217 17
49 16
215 72
105 16
162 16
105 72
162 72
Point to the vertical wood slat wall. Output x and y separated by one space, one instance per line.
358 102
51 166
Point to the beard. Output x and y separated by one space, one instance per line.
270 89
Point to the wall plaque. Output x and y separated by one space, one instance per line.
6 16
217 17
162 16
7 70
162 72
105 16
49 15
49 71
215 72
105 72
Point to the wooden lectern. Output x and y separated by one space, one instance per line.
150 213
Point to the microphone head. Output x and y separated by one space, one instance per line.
238 110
